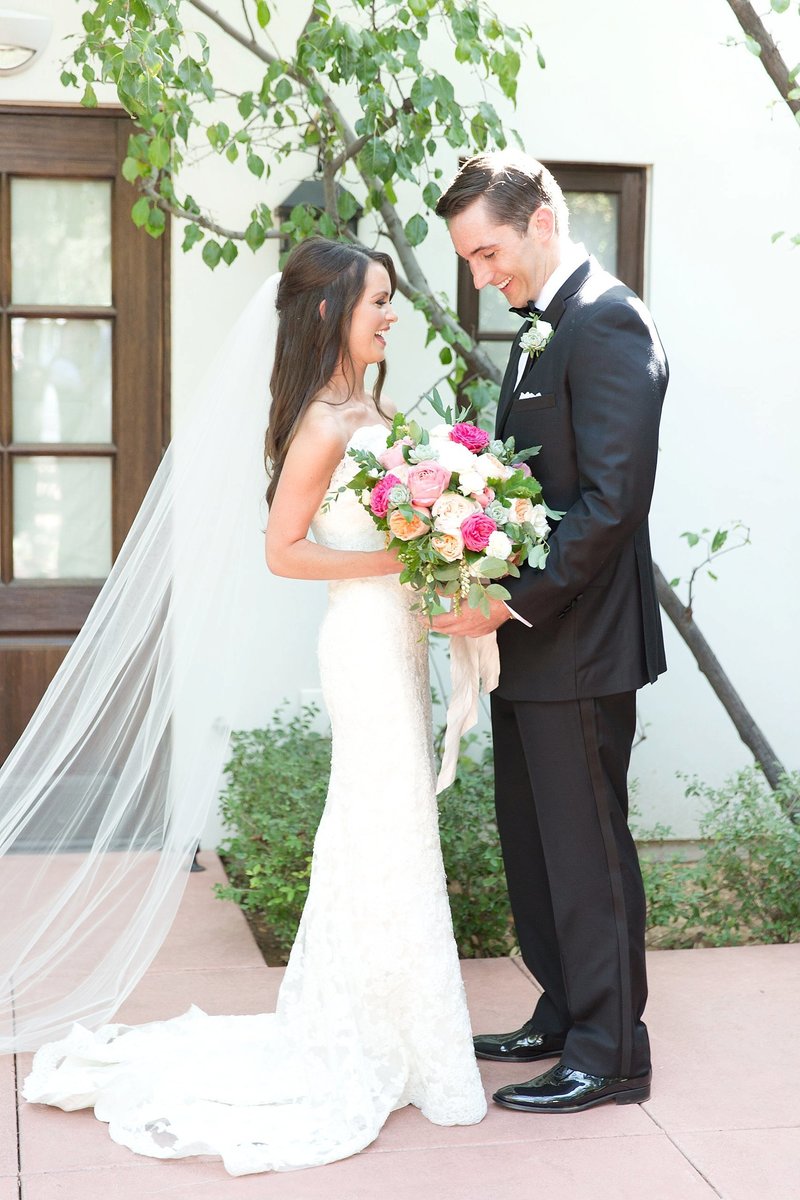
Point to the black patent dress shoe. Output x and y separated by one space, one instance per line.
565 1090
521 1046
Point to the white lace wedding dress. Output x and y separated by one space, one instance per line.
371 1014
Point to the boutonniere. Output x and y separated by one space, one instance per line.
534 340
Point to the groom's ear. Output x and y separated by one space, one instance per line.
542 223
323 307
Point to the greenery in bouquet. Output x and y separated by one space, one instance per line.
462 510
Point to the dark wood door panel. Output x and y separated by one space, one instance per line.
39 618
26 668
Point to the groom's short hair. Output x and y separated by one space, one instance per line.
513 186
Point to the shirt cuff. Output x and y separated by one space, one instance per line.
517 617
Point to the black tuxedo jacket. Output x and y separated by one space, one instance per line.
592 400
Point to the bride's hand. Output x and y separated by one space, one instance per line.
388 562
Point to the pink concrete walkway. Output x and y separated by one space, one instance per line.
723 1121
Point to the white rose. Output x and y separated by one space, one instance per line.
490 467
451 509
455 457
538 519
499 545
470 481
366 496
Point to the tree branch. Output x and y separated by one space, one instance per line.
731 701
771 58
186 214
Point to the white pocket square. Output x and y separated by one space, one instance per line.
528 395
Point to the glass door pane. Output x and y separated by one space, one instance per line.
61 241
62 517
61 380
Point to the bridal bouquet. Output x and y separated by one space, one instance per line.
462 510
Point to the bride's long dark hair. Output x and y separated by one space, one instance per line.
308 348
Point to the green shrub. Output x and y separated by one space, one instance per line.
472 858
272 803
746 885
277 779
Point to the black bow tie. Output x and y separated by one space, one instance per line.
530 310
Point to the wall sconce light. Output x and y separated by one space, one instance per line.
23 35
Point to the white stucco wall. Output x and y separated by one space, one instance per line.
647 84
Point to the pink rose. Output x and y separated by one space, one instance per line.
392 457
485 497
467 434
477 530
426 483
379 500
522 467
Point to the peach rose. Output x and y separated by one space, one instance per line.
521 510
405 530
448 546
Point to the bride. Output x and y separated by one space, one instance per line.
371 1014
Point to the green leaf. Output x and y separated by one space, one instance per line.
255 164
263 14
752 45
416 230
673 583
431 193
423 93
777 235
719 540
229 252
212 253
283 90
780 6
89 98
140 212
445 356
377 158
494 568
191 235
691 538
132 169
498 592
346 205
254 235
158 152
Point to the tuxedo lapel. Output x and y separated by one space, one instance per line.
552 315
507 387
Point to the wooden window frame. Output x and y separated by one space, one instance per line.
626 181
86 144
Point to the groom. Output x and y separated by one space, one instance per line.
576 639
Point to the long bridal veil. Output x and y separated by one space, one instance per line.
104 797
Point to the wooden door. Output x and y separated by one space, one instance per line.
83 381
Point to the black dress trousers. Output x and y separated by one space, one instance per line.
573 872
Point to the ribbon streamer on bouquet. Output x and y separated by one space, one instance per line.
474 663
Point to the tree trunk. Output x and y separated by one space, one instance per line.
724 690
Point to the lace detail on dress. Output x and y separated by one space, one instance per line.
371 1014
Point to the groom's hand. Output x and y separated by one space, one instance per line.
471 622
